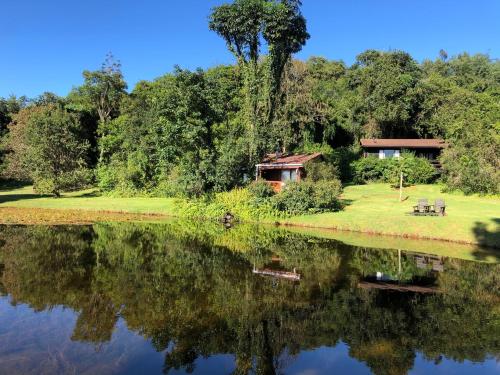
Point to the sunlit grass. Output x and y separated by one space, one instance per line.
373 208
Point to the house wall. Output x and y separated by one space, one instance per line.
428 153
278 174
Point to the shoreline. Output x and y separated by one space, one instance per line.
56 216
374 211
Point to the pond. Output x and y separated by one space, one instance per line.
188 297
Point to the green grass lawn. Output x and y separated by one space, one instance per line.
373 208
85 200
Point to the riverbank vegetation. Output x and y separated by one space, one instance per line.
370 208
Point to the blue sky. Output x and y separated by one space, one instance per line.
45 45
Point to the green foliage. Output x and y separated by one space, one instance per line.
415 170
295 198
309 197
472 163
8 109
326 195
387 81
320 170
54 154
102 90
239 202
243 24
190 133
261 190
165 125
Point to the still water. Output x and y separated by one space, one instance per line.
197 298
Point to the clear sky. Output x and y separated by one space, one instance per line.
46 44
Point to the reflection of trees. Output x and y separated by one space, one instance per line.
191 291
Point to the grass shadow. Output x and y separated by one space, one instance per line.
6 198
490 240
6 185
346 202
90 194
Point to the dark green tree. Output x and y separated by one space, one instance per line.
54 153
243 24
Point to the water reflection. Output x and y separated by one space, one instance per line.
180 297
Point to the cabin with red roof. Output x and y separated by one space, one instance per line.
278 169
392 148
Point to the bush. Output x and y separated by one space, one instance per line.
472 169
308 197
415 170
320 170
368 169
472 162
342 158
295 198
240 202
260 202
261 191
326 195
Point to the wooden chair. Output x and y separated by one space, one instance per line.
439 207
422 207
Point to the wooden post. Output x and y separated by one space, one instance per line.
399 264
401 187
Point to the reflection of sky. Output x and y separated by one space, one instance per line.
40 342
449 367
327 360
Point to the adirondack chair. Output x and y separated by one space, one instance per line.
439 207
422 207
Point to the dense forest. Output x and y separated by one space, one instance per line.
188 133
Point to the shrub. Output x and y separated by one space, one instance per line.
295 198
368 169
326 195
320 170
342 158
472 162
261 191
240 202
415 170
308 197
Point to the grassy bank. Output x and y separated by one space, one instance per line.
376 209
371 208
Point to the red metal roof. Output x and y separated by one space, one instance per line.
290 159
403 143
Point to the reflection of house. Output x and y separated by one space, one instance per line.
435 263
276 271
397 287
279 169
418 283
392 148
278 274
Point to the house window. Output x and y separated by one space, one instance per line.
288 175
388 154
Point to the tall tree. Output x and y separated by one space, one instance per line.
243 24
387 81
8 108
101 92
54 155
